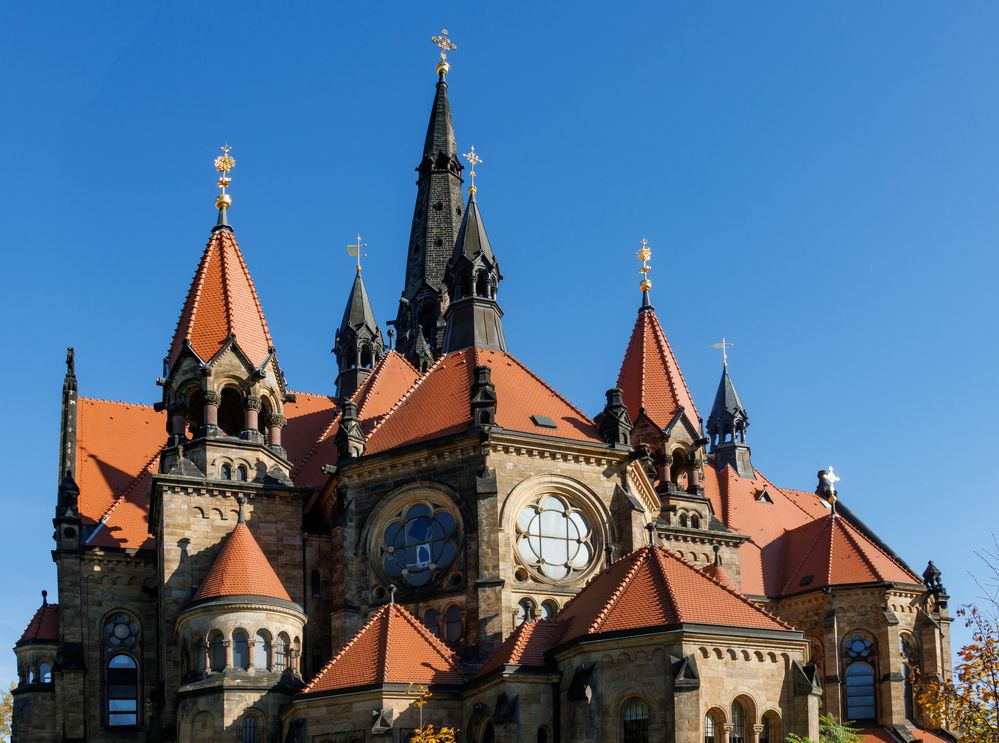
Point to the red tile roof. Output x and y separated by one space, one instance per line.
650 375
526 646
222 301
651 587
392 647
438 403
718 574
44 626
241 569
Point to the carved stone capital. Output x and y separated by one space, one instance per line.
213 397
252 402
276 420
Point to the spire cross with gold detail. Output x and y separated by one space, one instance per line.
831 478
724 346
224 164
354 250
473 159
443 41
644 254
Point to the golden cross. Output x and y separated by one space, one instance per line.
224 164
473 159
354 249
644 254
724 346
444 42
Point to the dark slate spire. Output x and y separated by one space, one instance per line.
727 426
359 343
436 219
472 278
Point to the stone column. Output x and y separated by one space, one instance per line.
213 398
275 422
251 410
227 644
178 420
755 734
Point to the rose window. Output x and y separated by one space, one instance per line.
120 633
554 538
419 543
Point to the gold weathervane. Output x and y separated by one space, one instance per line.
724 346
224 163
473 159
644 254
443 41
355 249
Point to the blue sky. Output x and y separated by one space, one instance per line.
819 183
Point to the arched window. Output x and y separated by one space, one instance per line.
262 650
525 611
31 675
45 672
771 728
264 415
695 521
548 609
240 650
431 621
635 722
226 471
907 692
858 652
231 416
452 624
216 650
678 469
709 728
122 691
250 731
241 473
488 733
281 652
683 520
738 734
316 582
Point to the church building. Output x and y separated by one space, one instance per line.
242 562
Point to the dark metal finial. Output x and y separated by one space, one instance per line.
45 597
651 529
717 549
391 590
70 362
391 335
609 549
241 500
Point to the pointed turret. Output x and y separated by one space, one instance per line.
436 220
727 426
472 278
359 344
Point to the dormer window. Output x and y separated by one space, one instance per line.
764 497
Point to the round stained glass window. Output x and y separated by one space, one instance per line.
121 633
554 539
419 543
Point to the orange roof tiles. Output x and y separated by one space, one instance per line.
392 647
653 587
650 375
438 403
222 301
44 626
241 569
526 646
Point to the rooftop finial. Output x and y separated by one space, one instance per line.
391 590
473 159
651 529
830 478
724 346
355 249
241 500
224 164
45 597
446 45
717 549
644 254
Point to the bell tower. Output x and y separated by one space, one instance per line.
727 424
359 344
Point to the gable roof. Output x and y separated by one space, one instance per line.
241 569
652 587
438 403
222 301
44 626
393 646
831 551
650 376
526 646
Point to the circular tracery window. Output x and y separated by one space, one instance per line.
419 543
554 538
121 633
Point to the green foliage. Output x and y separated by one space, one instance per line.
6 713
831 730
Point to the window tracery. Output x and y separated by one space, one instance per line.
554 538
858 657
419 543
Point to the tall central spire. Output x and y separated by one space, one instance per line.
436 220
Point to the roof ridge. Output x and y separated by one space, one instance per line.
350 643
84 398
547 386
664 347
808 552
127 491
618 591
371 381
194 293
661 564
315 444
856 545
784 491
855 533
398 403
241 262
224 268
